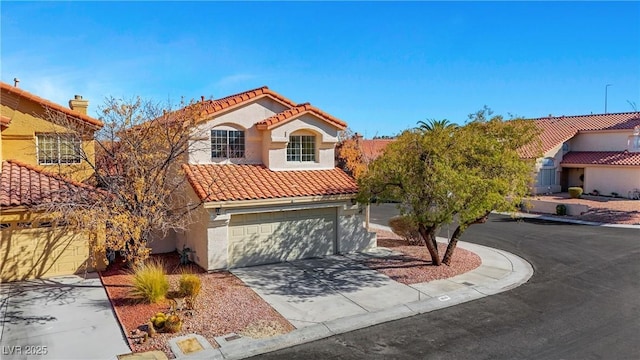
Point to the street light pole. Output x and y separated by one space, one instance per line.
606 87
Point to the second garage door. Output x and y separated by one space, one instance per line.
271 237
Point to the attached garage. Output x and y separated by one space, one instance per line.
31 245
270 237
28 252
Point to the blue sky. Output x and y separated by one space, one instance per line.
381 67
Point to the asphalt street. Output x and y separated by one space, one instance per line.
581 303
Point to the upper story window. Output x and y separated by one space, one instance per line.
301 148
58 149
227 144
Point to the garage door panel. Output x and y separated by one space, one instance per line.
41 252
283 236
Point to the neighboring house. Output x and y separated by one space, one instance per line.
34 151
596 152
264 170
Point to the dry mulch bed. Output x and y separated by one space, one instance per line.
601 208
414 265
225 305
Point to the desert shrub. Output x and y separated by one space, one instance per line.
575 192
561 209
406 228
150 282
190 285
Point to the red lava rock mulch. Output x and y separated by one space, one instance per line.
601 208
225 304
414 266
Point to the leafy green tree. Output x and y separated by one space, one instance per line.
439 173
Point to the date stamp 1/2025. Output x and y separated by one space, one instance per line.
29 350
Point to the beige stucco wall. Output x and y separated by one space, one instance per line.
556 153
573 178
600 141
352 234
608 179
242 119
326 138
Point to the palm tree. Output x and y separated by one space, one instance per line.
435 125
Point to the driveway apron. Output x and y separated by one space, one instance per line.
58 318
312 291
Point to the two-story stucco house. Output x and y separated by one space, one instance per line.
40 164
599 152
264 170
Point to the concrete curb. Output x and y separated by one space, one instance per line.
500 271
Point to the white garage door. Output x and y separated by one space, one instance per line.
264 238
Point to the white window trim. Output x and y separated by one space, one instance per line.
300 154
58 138
244 144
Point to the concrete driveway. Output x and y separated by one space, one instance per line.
58 318
312 291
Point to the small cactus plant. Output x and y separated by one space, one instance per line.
159 320
173 324
575 192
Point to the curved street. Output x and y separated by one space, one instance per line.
581 303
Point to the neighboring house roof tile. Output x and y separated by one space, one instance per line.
213 106
624 158
253 182
373 148
49 104
26 185
290 114
556 130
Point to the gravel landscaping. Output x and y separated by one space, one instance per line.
601 208
414 265
225 305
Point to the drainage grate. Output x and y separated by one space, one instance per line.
232 337
468 283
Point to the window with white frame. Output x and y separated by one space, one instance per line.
547 173
227 144
58 149
301 148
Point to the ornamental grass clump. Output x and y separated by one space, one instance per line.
190 285
150 282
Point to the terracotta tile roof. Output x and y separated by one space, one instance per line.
306 108
556 130
4 121
213 106
252 182
624 158
25 185
46 103
372 148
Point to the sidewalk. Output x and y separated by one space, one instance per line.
343 307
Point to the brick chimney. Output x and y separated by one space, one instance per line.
79 105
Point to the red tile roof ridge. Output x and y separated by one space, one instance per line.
585 115
47 103
214 105
289 114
